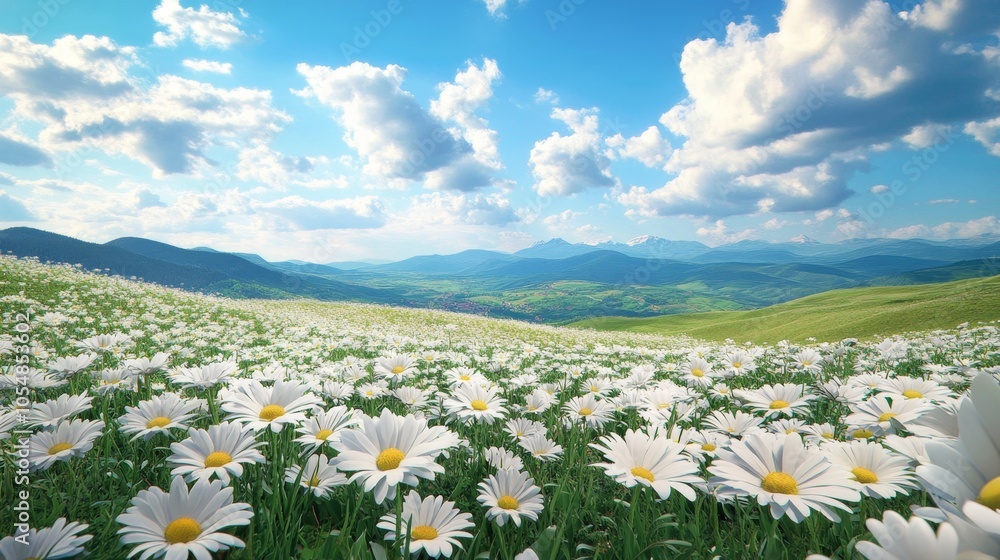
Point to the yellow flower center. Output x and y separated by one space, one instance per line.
508 502
827 435
423 533
737 365
661 406
886 416
640 472
158 422
989 496
314 482
464 378
775 405
59 447
389 459
697 372
586 411
478 405
182 530
595 389
779 483
708 447
863 434
324 434
218 459
271 411
864 476
911 394
397 370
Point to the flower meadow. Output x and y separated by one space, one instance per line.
143 422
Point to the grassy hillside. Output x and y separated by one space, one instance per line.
830 316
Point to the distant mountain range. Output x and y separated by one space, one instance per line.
552 281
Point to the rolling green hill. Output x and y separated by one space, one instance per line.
834 315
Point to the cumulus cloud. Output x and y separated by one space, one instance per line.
17 152
458 102
564 165
649 148
265 165
389 129
199 65
81 91
559 222
781 121
204 26
465 208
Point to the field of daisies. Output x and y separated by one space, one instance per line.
142 422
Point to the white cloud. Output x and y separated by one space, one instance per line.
559 222
496 8
986 133
81 91
465 208
262 164
720 233
782 120
925 136
546 96
297 213
987 225
649 148
391 131
199 65
774 223
207 28
564 165
458 101
879 189
943 201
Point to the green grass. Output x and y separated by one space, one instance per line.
834 315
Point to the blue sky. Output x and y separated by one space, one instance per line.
351 130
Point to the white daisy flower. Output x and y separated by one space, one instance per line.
648 460
274 407
781 473
325 427
219 451
510 495
51 412
182 522
879 473
319 476
899 539
433 525
588 411
782 398
473 402
500 458
878 414
208 375
157 416
67 440
389 450
61 540
541 447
